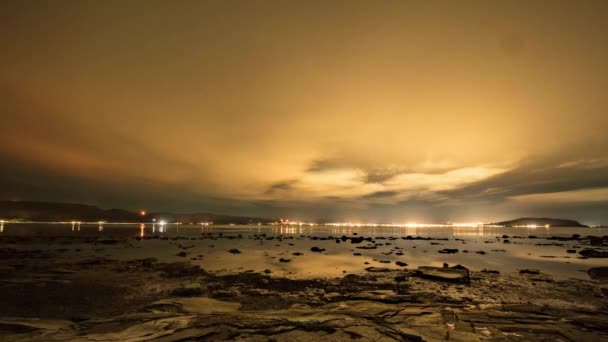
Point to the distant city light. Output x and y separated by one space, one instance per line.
142 213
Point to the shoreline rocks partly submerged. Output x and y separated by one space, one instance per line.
49 297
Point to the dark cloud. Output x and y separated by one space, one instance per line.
381 194
281 186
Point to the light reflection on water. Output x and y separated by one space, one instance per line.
259 254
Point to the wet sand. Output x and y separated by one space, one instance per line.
93 288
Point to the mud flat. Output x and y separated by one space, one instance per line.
52 294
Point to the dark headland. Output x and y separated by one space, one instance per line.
552 222
56 212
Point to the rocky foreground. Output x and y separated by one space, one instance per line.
49 298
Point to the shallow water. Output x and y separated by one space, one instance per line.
258 254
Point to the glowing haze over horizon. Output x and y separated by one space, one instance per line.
388 111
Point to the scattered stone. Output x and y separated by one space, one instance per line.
234 251
490 271
377 269
448 251
181 254
317 249
528 271
284 260
400 263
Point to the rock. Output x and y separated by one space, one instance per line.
448 251
593 253
400 263
384 296
181 254
356 240
234 251
571 251
284 260
297 254
193 289
598 273
199 305
527 271
377 269
457 273
357 254
317 249
480 252
384 261
490 271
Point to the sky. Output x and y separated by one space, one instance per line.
367 111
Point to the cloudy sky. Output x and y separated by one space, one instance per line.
391 111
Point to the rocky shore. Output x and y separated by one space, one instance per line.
47 296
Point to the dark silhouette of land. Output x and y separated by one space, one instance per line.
524 221
53 212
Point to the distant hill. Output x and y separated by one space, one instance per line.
53 212
524 221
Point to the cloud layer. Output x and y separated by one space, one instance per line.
391 111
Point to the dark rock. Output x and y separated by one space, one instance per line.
193 289
181 254
284 260
593 253
571 251
377 269
598 273
526 271
317 249
400 263
490 271
448 251
454 274
234 251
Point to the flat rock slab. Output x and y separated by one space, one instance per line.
385 296
198 305
444 273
